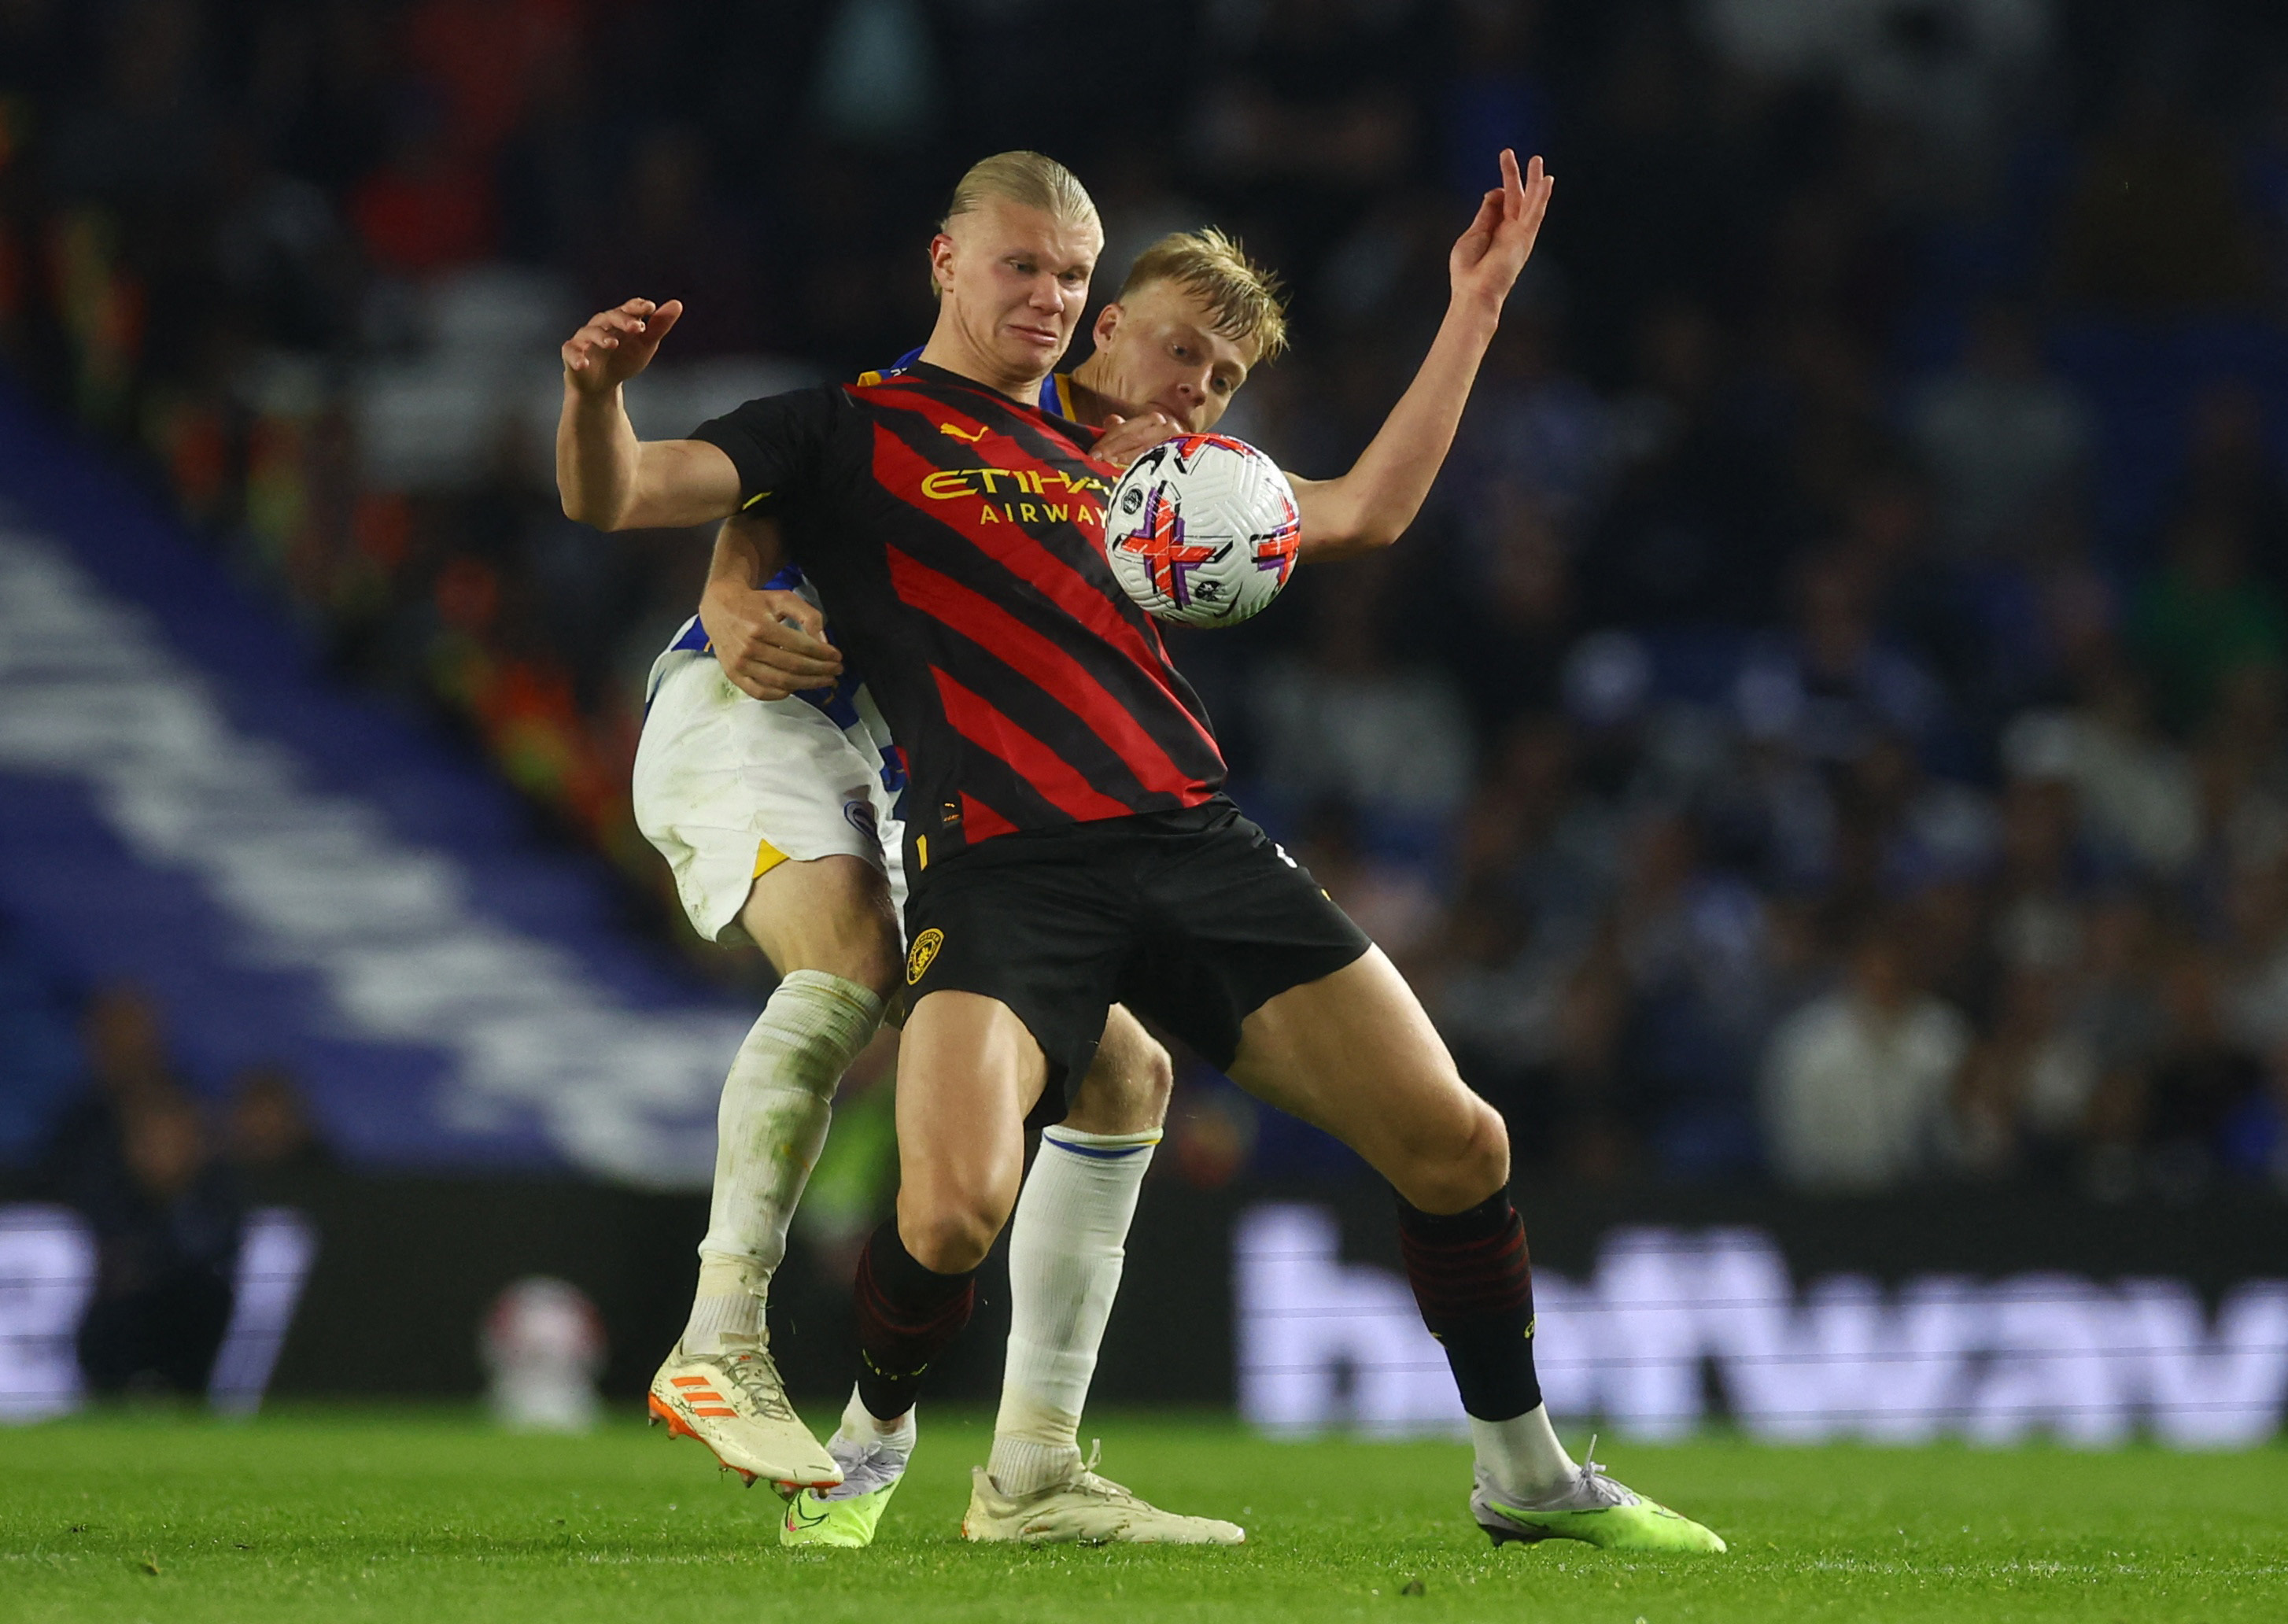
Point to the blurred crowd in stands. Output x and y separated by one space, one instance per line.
98 1118
1829 723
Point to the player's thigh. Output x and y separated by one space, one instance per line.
729 788
1354 1052
1036 929
968 1073
1128 1083
831 913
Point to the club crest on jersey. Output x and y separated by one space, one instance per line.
925 946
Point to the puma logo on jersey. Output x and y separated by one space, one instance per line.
948 428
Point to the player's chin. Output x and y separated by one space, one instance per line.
1032 343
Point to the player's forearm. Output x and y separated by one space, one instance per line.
598 458
608 478
1371 505
748 553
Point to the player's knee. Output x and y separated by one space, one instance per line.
875 960
1145 1078
1158 1078
1127 1089
951 1236
1460 1164
951 1242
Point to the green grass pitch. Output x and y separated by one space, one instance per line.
426 1514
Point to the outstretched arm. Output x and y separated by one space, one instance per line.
605 475
1371 505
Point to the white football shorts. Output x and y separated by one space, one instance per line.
729 786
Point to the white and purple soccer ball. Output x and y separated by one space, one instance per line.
1201 530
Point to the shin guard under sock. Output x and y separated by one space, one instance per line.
907 1317
1473 1284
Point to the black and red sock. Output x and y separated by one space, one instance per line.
1473 1282
907 1317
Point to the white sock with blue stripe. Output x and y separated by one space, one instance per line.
1066 1246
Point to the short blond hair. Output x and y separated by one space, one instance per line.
1031 179
1249 301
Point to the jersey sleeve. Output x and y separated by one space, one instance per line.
777 443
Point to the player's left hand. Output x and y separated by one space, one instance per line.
1486 260
772 644
1127 439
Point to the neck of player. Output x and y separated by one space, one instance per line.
1093 403
951 348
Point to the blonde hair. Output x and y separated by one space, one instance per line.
1031 179
1248 300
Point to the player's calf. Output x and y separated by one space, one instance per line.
908 1315
1354 1052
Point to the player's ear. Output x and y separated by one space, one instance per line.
940 251
1108 322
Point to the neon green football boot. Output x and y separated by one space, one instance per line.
872 1464
1592 1509
812 1520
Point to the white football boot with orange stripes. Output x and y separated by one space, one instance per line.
734 1402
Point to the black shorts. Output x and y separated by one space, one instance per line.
1196 919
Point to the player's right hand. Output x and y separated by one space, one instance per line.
1486 260
771 644
1127 439
617 344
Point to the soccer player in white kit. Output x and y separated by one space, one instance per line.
767 778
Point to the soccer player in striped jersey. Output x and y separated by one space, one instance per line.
1067 780
744 762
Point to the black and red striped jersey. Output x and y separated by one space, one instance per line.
956 540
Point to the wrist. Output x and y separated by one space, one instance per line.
588 396
1474 313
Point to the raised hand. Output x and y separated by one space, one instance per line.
1486 258
617 344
